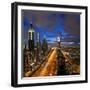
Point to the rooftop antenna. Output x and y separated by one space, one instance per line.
31 24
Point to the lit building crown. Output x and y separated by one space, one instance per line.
31 28
31 32
58 39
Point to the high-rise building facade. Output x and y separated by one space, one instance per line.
38 47
31 38
58 39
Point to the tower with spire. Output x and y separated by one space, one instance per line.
31 38
58 39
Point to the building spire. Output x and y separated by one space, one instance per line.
31 26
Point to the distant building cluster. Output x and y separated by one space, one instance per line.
36 50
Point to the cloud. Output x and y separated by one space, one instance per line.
72 25
67 25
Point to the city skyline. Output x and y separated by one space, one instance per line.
44 33
51 24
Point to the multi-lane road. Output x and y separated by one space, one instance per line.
48 68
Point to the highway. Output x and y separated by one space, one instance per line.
48 68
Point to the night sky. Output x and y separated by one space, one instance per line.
51 24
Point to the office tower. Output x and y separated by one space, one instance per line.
38 47
58 39
44 45
31 38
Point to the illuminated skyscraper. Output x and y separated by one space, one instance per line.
38 40
38 47
58 39
31 38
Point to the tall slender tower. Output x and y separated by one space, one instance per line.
58 39
38 44
31 38
44 45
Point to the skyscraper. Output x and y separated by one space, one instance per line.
31 38
38 47
38 40
44 45
58 39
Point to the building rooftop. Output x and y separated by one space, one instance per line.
31 28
